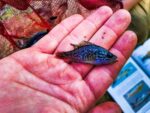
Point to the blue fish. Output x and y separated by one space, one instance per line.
28 42
89 53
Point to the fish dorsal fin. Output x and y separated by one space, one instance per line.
83 43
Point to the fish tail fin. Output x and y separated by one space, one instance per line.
61 54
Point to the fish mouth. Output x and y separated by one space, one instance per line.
111 58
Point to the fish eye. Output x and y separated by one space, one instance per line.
109 55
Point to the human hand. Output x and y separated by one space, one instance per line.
35 81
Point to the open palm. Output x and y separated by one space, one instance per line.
35 81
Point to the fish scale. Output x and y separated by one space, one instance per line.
89 53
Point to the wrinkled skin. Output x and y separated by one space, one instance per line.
33 80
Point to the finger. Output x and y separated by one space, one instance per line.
100 78
86 28
129 4
49 42
107 35
107 107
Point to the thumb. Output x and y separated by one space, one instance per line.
107 107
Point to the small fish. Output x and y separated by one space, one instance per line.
89 53
36 38
28 42
136 90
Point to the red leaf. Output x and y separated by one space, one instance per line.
1 4
2 28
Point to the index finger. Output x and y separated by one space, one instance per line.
50 41
86 29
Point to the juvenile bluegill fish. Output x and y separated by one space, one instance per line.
89 53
